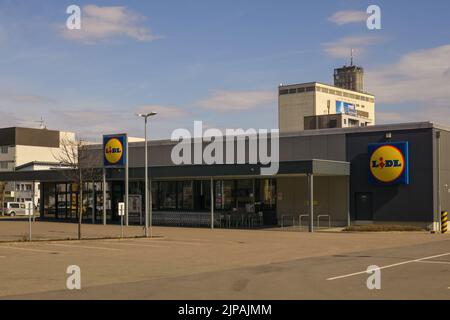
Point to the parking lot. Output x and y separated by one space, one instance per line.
183 263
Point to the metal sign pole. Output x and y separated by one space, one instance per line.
104 196
121 212
33 198
121 226
212 202
146 180
126 182
29 218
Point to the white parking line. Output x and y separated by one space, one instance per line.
389 266
187 243
435 262
140 245
84 247
27 249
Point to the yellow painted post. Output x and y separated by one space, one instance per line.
444 221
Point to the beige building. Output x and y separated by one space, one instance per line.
316 105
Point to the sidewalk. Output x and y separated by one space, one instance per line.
18 231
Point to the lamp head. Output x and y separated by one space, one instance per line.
146 115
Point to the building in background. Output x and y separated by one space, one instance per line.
25 149
315 105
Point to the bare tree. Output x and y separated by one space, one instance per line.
80 168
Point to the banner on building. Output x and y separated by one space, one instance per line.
345 108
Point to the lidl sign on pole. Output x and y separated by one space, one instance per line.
389 163
114 150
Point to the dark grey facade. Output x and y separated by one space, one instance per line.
413 202
29 137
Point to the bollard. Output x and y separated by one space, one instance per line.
444 221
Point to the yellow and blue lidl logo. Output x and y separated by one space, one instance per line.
388 163
114 148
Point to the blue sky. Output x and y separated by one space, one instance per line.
215 61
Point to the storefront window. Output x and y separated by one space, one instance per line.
228 195
244 195
187 196
62 205
61 188
218 196
49 200
168 195
155 198
266 193
202 195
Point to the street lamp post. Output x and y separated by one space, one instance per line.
146 116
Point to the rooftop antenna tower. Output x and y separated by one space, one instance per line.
351 57
41 123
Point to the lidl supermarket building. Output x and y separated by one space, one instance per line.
397 173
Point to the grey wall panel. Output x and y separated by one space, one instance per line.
301 148
336 147
327 147
319 147
290 149
445 170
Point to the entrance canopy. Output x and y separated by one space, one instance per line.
303 167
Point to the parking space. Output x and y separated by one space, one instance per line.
186 263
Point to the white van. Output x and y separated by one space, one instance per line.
14 209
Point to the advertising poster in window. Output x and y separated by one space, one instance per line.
135 209
345 108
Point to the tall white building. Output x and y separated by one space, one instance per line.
316 105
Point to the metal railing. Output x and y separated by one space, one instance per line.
290 220
283 220
323 216
246 220
300 219
203 219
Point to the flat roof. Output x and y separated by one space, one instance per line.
287 86
315 132
286 168
376 128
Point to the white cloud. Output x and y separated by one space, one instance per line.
419 81
348 16
237 100
102 23
341 48
31 99
421 76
